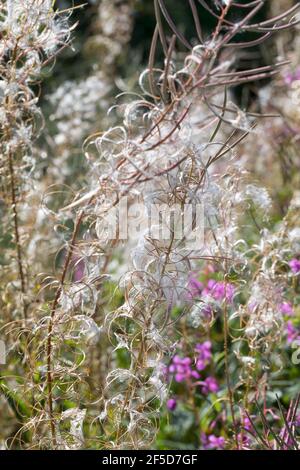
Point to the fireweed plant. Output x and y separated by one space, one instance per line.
135 322
78 105
32 34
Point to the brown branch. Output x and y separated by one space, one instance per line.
16 230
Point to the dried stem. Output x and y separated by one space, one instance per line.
16 230
69 256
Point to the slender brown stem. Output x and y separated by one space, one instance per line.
16 229
227 374
50 326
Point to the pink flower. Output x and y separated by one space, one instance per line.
212 441
207 311
292 332
204 354
171 404
295 265
247 423
297 420
220 290
195 287
210 385
286 308
181 367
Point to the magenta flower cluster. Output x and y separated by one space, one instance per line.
210 385
218 290
292 333
182 369
203 351
294 264
212 442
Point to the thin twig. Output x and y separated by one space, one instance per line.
16 230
